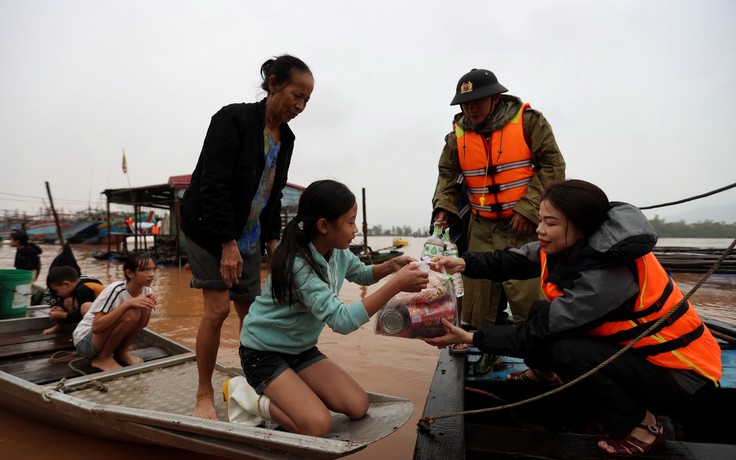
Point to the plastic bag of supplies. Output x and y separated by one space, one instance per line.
419 314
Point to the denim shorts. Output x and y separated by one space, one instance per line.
206 274
262 367
85 349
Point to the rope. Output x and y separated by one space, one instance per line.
426 422
61 386
685 200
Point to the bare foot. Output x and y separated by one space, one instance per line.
105 364
205 408
129 358
52 329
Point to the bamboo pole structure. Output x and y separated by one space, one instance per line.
56 216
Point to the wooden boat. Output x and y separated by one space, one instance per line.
83 231
151 402
45 232
555 427
400 242
369 256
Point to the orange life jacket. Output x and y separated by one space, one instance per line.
96 286
681 342
496 172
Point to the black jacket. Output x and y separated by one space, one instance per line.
598 281
217 203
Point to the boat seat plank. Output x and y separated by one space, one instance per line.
45 345
11 338
42 370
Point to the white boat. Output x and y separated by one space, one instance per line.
151 402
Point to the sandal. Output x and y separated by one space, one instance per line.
534 376
630 446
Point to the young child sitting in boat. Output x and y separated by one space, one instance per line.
76 296
289 380
604 288
116 317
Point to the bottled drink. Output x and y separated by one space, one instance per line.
434 246
450 250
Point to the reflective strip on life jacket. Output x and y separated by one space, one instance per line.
495 188
499 168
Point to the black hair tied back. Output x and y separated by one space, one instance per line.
280 68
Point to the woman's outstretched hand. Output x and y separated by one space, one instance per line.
453 334
450 264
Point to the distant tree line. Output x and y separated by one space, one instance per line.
406 230
679 229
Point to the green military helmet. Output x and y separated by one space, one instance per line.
477 84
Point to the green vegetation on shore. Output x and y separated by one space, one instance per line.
705 229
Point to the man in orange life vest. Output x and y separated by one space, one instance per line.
498 159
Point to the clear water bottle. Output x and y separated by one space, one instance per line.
434 246
450 250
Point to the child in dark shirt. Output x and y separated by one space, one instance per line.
77 296
27 253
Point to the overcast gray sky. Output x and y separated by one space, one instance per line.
640 94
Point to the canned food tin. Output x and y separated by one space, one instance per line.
394 321
421 316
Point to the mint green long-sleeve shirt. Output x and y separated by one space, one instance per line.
292 329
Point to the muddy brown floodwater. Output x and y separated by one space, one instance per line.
395 366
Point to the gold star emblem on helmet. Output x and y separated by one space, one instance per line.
466 87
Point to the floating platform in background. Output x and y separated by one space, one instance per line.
694 260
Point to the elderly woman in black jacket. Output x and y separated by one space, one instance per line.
231 210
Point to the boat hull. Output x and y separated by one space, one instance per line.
151 402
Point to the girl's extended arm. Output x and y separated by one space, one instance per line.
380 271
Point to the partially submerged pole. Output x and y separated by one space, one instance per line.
366 251
56 217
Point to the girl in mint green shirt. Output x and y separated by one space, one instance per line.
292 382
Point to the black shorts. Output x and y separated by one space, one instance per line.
262 367
206 274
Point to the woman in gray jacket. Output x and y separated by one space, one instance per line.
604 288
